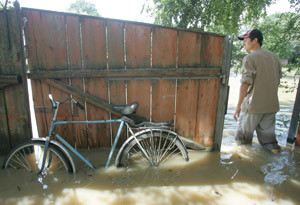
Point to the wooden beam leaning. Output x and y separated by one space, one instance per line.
84 96
128 73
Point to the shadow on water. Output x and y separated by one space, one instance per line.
243 174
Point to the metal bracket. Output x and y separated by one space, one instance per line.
224 77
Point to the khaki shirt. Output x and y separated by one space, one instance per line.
262 71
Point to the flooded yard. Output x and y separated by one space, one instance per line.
237 175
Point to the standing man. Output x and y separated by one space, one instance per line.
258 99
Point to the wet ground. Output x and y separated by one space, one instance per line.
237 175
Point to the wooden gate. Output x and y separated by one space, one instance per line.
14 110
174 74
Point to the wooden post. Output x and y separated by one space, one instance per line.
223 93
295 118
297 143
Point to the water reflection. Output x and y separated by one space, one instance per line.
243 174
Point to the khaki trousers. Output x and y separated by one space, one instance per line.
264 124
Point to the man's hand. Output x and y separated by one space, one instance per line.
243 92
236 114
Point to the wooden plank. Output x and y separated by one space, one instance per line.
115 38
94 56
207 111
118 97
297 143
54 37
40 108
37 61
73 36
138 46
163 100
139 91
99 134
64 113
223 93
164 48
34 40
80 133
189 49
295 117
212 51
129 73
17 115
55 46
186 107
4 133
9 44
94 43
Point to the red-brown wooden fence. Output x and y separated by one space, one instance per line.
174 74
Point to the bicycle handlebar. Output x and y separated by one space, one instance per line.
54 104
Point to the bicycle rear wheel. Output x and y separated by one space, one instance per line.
150 147
28 157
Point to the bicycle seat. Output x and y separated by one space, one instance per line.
126 109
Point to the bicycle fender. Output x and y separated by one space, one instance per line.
61 148
151 130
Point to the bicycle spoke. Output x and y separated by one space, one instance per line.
155 144
170 146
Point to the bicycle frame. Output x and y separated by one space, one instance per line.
64 142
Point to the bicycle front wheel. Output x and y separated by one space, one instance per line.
150 147
29 156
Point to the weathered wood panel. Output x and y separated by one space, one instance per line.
73 37
297 143
118 97
186 107
94 43
54 39
207 111
98 134
138 46
9 44
139 91
94 56
37 61
14 126
115 38
75 63
4 133
113 60
16 115
163 100
164 48
164 55
189 49
212 51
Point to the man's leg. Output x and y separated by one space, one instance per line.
247 123
266 133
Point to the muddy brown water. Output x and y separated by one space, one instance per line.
236 175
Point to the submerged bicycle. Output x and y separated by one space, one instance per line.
151 143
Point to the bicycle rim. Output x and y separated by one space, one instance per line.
28 157
153 148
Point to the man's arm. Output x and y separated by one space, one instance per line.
243 92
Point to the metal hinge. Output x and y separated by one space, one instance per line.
224 77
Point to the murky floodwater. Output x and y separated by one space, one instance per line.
237 175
